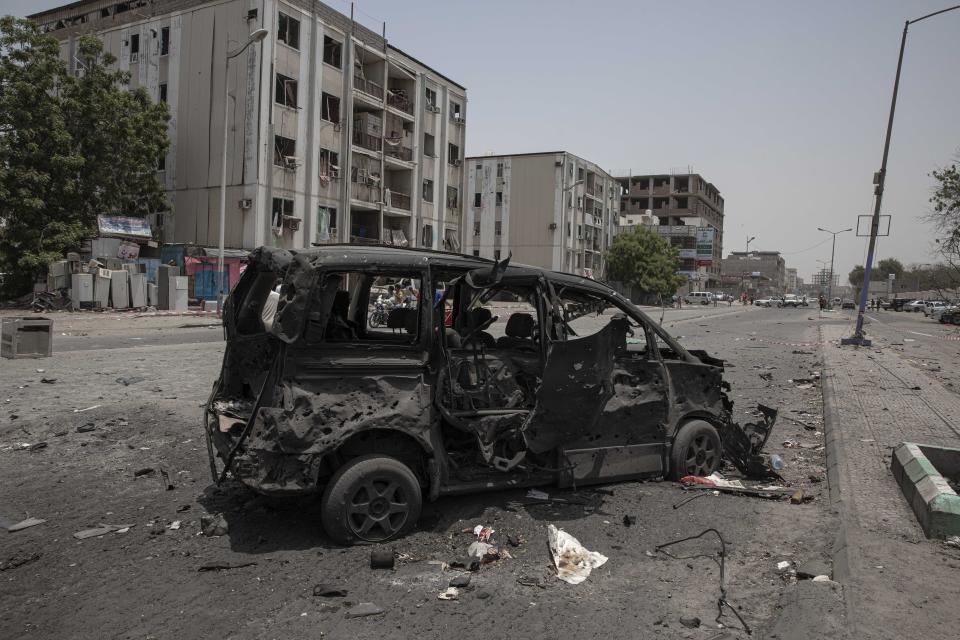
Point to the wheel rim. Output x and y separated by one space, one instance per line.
701 456
378 509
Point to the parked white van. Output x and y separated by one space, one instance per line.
698 297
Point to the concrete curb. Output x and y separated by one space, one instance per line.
933 501
833 450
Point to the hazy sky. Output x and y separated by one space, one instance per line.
782 105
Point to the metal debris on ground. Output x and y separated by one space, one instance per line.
129 380
224 566
382 559
25 524
460 581
721 562
572 560
328 591
364 609
18 561
101 530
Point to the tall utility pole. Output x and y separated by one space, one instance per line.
256 36
749 240
879 180
833 252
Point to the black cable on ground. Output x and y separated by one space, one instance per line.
722 600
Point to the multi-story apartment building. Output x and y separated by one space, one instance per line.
767 268
552 209
690 210
333 134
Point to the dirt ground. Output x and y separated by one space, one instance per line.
149 582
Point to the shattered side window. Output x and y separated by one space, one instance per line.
256 304
364 307
504 317
585 314
666 351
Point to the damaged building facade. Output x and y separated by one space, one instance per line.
333 134
554 210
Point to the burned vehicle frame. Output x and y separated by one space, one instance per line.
581 386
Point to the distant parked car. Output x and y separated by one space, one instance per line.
933 305
764 302
698 297
916 306
938 312
847 303
899 303
791 300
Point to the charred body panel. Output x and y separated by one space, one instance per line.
295 401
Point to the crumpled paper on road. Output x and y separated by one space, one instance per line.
574 563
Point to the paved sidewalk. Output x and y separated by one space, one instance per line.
897 583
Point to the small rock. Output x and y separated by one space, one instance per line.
213 525
813 568
629 521
328 591
483 595
460 581
797 497
450 593
690 623
86 428
364 609
143 472
48 380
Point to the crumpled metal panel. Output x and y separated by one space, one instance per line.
317 421
576 384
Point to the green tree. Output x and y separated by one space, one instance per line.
644 260
856 276
70 148
37 159
121 135
887 266
946 210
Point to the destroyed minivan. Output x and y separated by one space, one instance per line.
486 376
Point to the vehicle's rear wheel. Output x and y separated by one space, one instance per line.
372 498
696 450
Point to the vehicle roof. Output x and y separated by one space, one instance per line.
407 257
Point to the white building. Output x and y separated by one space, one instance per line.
334 135
552 209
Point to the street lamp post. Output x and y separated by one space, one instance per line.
749 240
881 176
833 252
563 211
255 36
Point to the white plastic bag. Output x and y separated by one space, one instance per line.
572 560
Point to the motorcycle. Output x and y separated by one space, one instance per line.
379 316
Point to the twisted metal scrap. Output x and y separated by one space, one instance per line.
722 600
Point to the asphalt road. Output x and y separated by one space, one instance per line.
145 582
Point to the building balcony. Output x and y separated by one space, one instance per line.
400 200
368 87
593 190
365 192
400 101
398 152
367 141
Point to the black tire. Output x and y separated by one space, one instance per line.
372 498
696 450
376 321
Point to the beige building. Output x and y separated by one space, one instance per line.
553 209
690 212
334 135
765 269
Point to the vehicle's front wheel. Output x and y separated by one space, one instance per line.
696 450
372 498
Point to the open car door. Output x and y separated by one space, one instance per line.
576 386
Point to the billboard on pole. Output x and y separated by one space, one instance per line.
705 237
